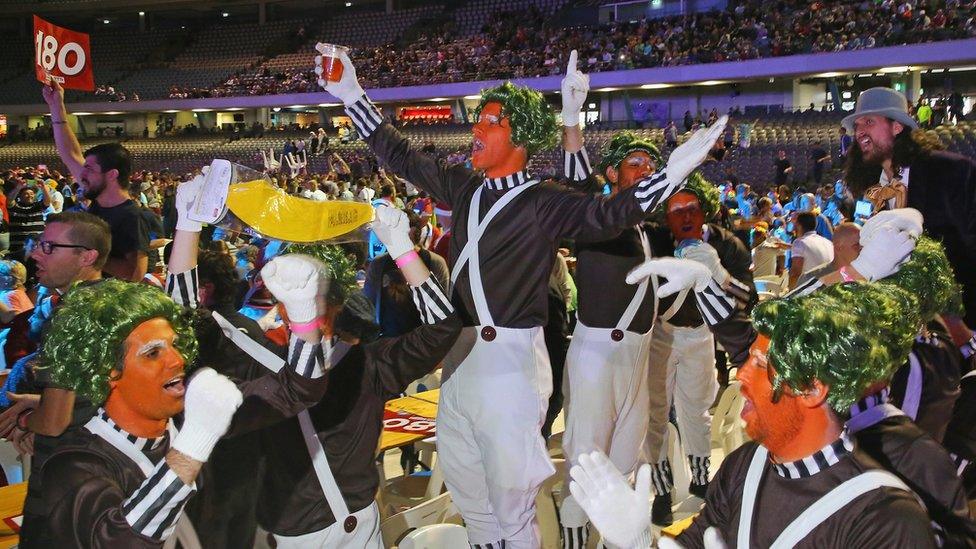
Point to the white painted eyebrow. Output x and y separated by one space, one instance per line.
151 346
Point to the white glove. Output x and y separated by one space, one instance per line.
705 254
296 280
347 89
902 219
295 163
712 540
621 513
881 256
392 227
271 164
186 194
690 154
574 88
208 407
681 274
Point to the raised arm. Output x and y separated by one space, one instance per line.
575 86
89 507
386 142
64 139
401 360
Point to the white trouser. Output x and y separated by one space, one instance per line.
489 440
366 535
682 372
606 402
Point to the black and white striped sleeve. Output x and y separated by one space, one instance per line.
968 349
365 116
307 359
654 189
431 302
806 288
157 504
182 288
714 303
576 165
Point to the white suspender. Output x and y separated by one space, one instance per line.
913 388
816 513
469 254
320 463
749 491
970 373
834 501
635 302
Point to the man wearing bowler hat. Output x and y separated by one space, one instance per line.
896 165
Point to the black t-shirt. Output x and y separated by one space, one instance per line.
817 153
129 230
154 227
781 166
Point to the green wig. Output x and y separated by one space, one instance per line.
532 120
708 196
342 269
848 336
928 276
622 144
86 339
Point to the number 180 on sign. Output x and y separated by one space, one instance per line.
63 55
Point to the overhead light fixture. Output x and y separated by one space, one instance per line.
297 107
959 69
276 109
710 83
201 110
607 89
829 75
895 70
81 113
106 21
112 112
348 4
235 109
141 13
224 14
329 104
472 97
171 111
655 86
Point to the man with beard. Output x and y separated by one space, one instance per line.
896 165
507 229
103 172
801 481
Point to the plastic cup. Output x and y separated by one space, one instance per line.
331 65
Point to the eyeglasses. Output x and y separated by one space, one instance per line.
48 247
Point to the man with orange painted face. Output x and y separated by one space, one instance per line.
801 481
123 478
497 379
606 393
682 350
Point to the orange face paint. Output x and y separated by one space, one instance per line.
635 166
685 217
789 427
149 390
493 150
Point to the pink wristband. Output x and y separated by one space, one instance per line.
845 275
304 327
407 258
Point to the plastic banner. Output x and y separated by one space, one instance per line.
238 198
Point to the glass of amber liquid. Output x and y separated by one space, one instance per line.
330 63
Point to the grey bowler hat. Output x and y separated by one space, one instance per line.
882 101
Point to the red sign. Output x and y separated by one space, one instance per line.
63 55
403 422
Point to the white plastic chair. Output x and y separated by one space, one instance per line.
436 536
728 432
432 511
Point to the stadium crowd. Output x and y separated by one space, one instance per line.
524 44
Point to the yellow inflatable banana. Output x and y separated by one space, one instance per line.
273 213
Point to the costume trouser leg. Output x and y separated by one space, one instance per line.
608 407
488 434
366 535
691 385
